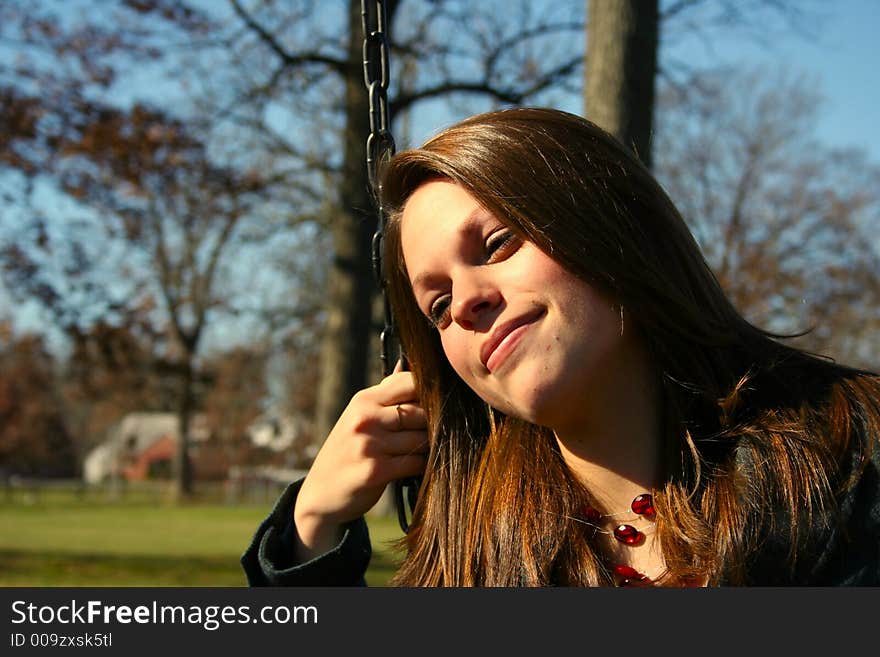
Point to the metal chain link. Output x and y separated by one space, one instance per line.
380 149
380 143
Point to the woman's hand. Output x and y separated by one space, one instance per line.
379 437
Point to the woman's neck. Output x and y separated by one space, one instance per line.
615 451
614 447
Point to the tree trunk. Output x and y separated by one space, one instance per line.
183 475
620 67
351 286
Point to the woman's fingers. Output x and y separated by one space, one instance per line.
405 442
408 465
381 436
405 416
394 389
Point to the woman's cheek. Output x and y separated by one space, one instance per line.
454 351
457 353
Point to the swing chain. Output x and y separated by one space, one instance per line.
380 143
380 149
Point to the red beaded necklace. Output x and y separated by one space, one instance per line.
642 505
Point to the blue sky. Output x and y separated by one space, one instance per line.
835 50
842 56
839 54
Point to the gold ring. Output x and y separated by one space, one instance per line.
399 418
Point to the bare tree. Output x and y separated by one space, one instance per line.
269 94
155 189
494 53
784 222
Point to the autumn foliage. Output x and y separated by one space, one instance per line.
34 437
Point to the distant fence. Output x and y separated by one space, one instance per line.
242 486
258 484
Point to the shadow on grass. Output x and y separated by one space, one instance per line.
33 568
30 568
383 565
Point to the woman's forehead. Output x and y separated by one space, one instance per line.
440 207
438 216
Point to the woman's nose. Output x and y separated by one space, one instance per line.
473 301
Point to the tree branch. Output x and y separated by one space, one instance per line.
289 59
484 87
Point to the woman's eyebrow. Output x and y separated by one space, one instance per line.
471 225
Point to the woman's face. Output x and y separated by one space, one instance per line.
530 338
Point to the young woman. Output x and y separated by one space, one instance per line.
585 405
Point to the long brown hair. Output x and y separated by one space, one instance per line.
753 429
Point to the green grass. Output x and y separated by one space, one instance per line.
62 540
384 530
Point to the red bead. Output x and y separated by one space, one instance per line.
628 534
643 505
627 571
629 576
591 514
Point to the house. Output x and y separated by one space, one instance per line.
155 462
144 446
140 445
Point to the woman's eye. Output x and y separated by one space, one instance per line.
501 244
439 311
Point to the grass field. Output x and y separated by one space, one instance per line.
61 540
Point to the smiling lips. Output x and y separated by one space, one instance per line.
504 338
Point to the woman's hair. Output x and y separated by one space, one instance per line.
753 430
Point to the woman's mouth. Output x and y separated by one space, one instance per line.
505 338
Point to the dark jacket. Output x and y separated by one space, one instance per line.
842 551
270 559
